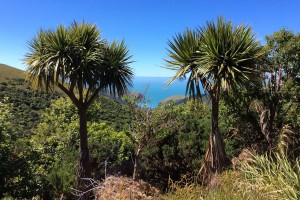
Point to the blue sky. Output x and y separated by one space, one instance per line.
145 25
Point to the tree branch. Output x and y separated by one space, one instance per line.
72 85
87 95
70 94
94 95
80 90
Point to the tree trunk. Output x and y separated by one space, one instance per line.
215 156
136 167
83 165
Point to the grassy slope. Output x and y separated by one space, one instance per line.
179 99
8 72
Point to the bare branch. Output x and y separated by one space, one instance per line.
90 183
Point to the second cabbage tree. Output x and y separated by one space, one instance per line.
221 57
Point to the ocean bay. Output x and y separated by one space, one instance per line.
155 90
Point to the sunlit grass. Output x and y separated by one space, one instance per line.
229 188
264 177
275 177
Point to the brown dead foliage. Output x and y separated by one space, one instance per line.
245 156
123 188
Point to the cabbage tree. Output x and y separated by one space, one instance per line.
221 57
81 64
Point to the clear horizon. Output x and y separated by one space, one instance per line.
146 26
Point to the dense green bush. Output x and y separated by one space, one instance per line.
56 139
179 142
16 157
111 150
27 104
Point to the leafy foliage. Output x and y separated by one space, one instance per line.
17 159
179 142
228 55
283 47
77 57
26 104
56 139
219 54
111 113
111 150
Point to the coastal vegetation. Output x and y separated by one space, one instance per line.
236 139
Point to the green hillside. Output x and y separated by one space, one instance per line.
8 72
179 99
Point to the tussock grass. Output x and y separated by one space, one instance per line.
230 187
264 177
275 177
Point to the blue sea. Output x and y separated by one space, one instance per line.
154 88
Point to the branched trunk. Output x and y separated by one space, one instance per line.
83 165
215 156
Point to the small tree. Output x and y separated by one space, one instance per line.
81 64
142 128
